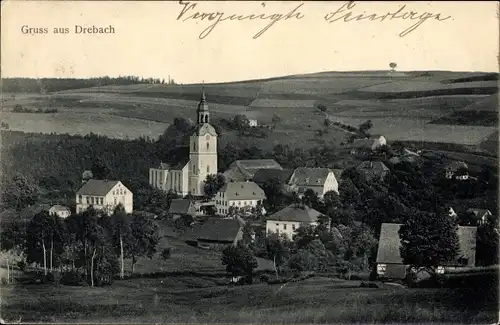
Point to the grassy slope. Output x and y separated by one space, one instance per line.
393 101
317 300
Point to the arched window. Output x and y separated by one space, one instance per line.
194 168
194 146
208 169
206 118
208 145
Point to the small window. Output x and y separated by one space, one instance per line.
277 225
284 227
208 169
101 201
208 145
79 199
293 227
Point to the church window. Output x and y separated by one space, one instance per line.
208 169
208 145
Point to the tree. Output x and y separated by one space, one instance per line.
428 240
213 184
304 235
120 223
100 169
239 261
487 244
393 66
276 119
327 122
278 248
322 107
365 126
19 193
241 122
310 198
38 236
143 240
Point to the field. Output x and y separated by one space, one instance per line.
412 106
181 299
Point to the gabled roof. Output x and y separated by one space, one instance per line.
306 176
224 230
362 143
242 170
242 191
180 206
296 213
480 213
389 243
58 207
97 187
456 165
265 175
372 165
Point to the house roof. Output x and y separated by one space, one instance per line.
224 230
456 165
242 170
264 175
98 187
389 243
296 213
479 213
362 143
243 191
306 176
180 206
87 174
58 207
373 166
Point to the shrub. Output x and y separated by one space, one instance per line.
166 253
72 278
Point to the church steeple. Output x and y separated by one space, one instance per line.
202 111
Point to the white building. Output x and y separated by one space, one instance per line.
194 164
253 123
241 195
289 219
320 180
60 210
103 195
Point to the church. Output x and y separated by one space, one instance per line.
188 174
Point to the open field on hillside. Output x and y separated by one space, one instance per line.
179 299
83 123
351 98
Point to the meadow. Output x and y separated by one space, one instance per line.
411 106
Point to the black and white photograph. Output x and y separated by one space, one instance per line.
249 162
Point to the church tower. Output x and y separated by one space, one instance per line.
202 149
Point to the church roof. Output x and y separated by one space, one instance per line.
202 129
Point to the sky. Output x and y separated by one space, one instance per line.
151 40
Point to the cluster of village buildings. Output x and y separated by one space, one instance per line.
243 191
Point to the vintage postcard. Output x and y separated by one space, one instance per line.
237 162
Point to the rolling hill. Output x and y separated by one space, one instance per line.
430 106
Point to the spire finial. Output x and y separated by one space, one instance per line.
203 90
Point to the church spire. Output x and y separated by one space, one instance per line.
202 111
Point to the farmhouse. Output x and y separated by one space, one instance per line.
389 261
360 146
181 207
373 170
104 195
241 195
244 170
60 211
481 216
219 233
289 219
193 163
320 180
457 170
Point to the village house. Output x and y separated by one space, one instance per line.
405 156
240 195
219 233
245 170
373 170
289 219
60 211
193 163
181 207
252 123
457 170
481 216
390 264
104 195
320 180
362 146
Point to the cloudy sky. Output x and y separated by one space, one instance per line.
151 40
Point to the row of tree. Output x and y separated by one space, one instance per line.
88 243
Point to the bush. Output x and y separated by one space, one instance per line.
166 253
72 278
369 285
21 265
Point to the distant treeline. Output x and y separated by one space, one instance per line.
46 85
